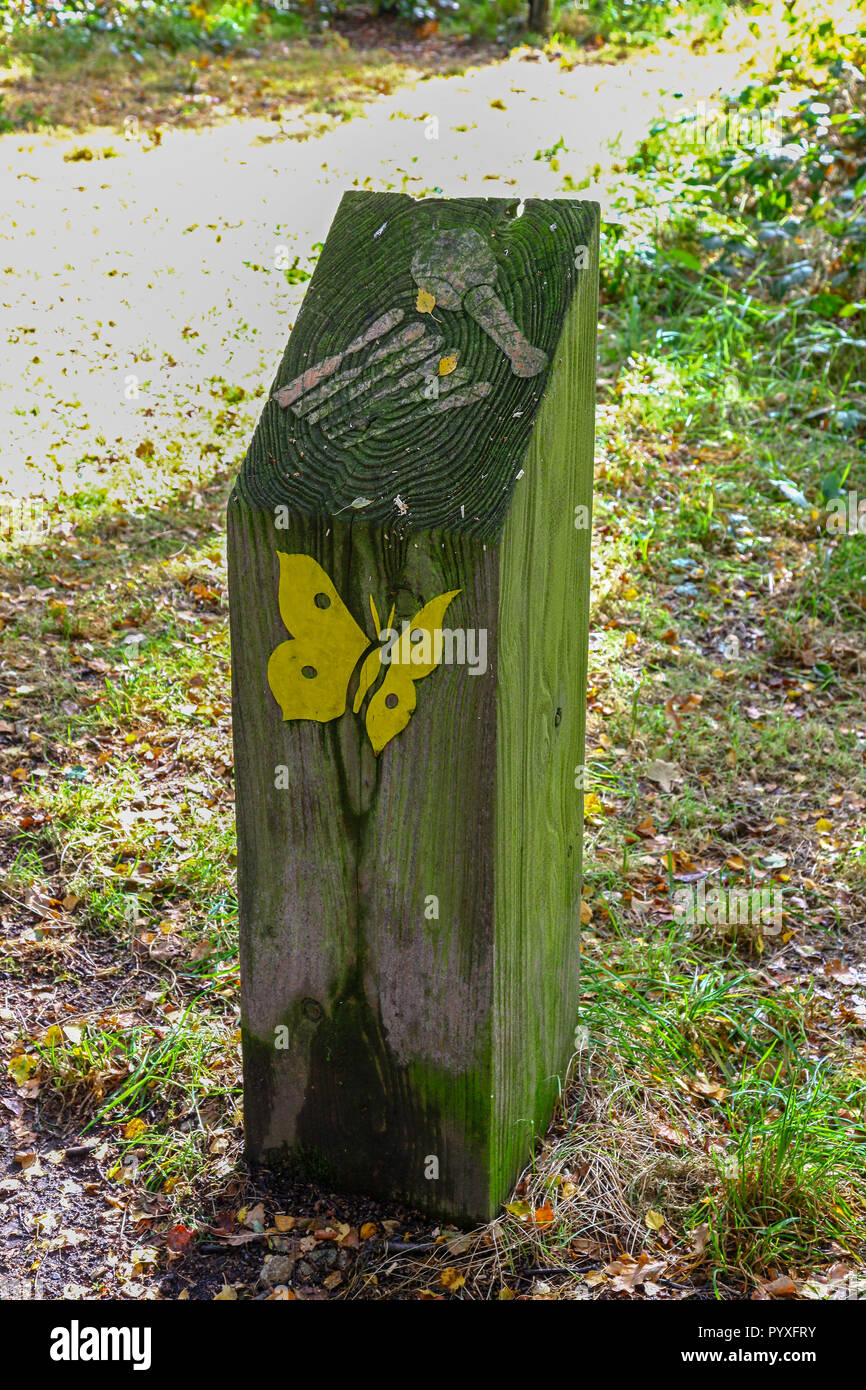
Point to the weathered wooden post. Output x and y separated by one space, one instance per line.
409 558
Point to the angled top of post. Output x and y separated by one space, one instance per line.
409 386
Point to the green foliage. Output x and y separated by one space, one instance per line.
743 272
22 118
663 1020
65 29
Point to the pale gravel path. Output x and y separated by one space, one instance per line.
109 267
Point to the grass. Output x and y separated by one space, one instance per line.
165 68
689 1041
684 318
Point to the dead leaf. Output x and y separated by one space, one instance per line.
543 1215
665 774
22 1067
254 1217
783 1287
700 1236
178 1239
669 1135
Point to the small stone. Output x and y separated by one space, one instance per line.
324 1258
277 1269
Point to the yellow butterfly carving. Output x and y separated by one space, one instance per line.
309 675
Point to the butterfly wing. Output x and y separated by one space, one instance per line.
391 706
309 675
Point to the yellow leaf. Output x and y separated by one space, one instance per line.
630 594
654 1220
283 1222
506 1294
425 302
448 364
519 1209
823 825
367 1230
53 1035
452 1279
21 1068
591 805
585 913
143 1256
227 1293
134 1128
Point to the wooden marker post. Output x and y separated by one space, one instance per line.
409 558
